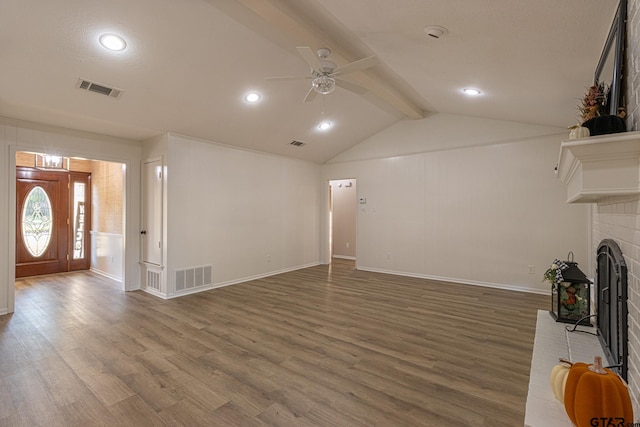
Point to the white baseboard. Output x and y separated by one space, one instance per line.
352 258
108 275
153 292
457 280
235 281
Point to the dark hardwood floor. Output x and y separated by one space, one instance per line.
327 346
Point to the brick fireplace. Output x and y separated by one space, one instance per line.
603 172
619 219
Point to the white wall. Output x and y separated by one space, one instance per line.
441 132
17 135
480 214
246 213
107 254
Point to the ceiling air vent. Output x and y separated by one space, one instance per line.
98 88
297 143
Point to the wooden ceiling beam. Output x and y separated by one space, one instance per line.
307 34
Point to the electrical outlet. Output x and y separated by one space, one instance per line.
348 245
388 255
268 257
532 269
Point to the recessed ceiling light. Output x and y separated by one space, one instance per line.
324 125
471 91
112 42
436 31
252 97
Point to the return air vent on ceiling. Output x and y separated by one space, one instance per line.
297 143
98 88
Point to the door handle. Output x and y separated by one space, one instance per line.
143 232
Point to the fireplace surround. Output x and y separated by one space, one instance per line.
611 305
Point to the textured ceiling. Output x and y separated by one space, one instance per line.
189 63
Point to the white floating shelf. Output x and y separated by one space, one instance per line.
600 166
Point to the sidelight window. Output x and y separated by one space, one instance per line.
78 220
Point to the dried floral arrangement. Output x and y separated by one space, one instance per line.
594 102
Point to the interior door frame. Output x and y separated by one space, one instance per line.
329 223
146 234
130 205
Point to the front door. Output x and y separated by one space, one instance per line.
52 221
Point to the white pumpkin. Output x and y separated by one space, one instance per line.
558 378
579 132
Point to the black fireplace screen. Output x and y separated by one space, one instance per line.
611 288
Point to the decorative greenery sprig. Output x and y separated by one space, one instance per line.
550 274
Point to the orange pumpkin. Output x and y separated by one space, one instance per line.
594 392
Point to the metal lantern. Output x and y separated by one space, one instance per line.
571 291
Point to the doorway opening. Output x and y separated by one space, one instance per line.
343 209
69 220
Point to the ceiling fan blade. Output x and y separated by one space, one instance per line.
284 78
360 64
310 58
352 87
311 95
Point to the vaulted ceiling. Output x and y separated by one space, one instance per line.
189 63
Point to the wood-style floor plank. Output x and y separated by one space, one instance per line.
322 346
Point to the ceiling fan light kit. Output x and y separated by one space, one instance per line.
323 84
324 72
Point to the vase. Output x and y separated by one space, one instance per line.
603 125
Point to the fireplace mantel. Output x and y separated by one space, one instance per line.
600 166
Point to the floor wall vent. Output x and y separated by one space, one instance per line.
194 277
99 88
153 280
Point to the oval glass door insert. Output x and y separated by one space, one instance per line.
37 221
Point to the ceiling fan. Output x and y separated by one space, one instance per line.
324 73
